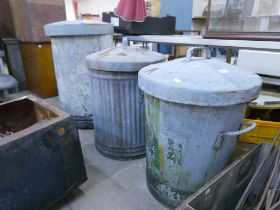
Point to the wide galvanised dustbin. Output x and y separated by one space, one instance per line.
71 42
193 111
118 109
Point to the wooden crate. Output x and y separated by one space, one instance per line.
30 16
6 20
39 68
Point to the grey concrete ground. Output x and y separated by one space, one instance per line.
112 184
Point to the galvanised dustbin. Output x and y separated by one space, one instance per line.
118 108
193 111
71 42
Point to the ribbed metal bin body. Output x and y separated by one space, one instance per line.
118 114
118 110
180 143
71 42
72 74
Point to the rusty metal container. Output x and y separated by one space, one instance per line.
30 16
118 110
41 159
39 68
71 42
193 111
224 190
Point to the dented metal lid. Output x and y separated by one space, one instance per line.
123 59
78 27
200 81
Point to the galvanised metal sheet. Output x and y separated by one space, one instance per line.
118 109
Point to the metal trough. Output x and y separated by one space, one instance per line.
40 155
224 191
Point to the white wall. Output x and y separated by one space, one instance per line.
198 7
70 14
96 6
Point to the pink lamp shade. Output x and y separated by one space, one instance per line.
131 10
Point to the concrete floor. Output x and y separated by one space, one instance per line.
111 184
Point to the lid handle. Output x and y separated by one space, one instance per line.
207 54
125 41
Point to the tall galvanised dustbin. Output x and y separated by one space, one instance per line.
193 111
118 108
71 42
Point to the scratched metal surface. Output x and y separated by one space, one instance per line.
180 143
73 82
118 114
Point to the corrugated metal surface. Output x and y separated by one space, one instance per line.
118 114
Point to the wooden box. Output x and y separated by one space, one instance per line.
30 16
39 68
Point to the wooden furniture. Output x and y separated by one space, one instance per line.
39 68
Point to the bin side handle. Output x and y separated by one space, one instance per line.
207 54
220 139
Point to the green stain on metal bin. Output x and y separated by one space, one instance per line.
154 153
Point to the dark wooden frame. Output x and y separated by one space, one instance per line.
239 35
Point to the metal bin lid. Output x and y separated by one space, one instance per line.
123 59
78 27
200 81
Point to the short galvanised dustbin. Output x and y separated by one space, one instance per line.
71 42
118 108
193 111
